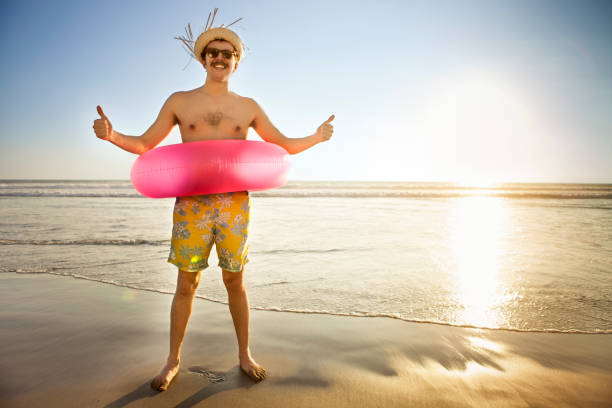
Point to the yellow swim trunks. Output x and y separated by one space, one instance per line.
199 221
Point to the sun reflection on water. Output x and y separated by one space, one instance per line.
476 233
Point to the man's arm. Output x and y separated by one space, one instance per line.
158 131
268 132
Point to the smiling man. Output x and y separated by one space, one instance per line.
209 112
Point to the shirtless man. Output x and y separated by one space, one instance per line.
211 111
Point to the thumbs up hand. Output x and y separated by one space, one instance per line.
324 132
102 126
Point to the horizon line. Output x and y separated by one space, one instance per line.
347 181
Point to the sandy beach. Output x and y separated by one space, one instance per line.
70 342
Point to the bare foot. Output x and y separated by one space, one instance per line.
161 382
252 369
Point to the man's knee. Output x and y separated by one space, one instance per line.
232 280
187 283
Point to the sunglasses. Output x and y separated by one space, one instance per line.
213 52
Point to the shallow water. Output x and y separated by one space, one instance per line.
515 256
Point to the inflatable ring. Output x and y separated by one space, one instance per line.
208 167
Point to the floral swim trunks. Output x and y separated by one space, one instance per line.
199 221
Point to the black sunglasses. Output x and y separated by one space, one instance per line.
213 52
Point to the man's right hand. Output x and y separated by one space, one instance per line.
102 126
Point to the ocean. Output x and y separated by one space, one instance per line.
513 256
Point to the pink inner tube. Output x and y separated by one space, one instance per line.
208 167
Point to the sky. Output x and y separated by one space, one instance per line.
460 91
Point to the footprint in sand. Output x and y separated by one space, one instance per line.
211 376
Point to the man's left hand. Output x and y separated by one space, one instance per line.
324 132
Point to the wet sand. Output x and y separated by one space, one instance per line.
69 342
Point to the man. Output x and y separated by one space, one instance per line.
210 112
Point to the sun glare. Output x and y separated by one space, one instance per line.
481 127
478 182
485 344
476 238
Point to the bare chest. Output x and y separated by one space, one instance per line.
209 119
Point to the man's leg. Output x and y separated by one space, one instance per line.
239 308
186 285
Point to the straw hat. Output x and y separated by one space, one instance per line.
209 35
218 33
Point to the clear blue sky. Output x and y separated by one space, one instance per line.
470 91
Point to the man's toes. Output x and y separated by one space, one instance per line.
261 373
254 373
158 384
258 373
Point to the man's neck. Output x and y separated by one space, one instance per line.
215 88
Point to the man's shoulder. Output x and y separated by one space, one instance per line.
242 98
247 101
182 94
179 98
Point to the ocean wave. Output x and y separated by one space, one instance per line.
68 194
63 186
135 242
359 185
27 270
309 251
350 189
82 242
595 194
427 195
355 314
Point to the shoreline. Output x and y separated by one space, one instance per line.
81 342
326 313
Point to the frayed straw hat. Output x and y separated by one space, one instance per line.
209 35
